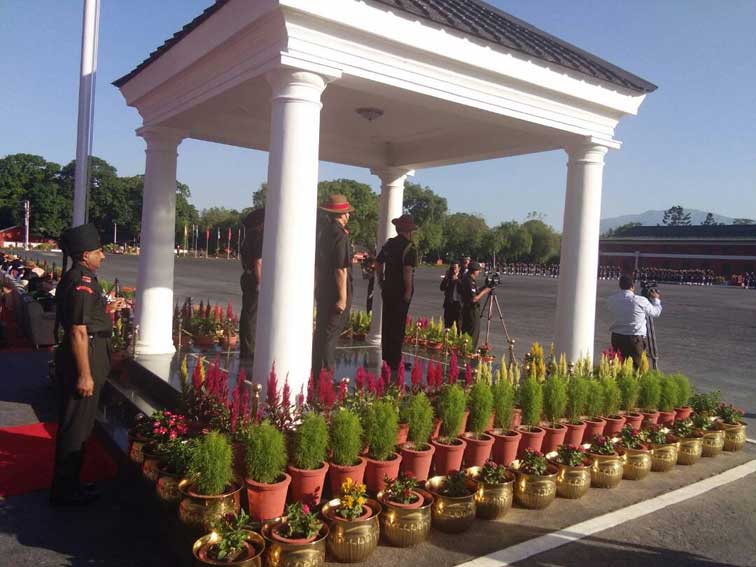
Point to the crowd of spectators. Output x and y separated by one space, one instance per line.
27 275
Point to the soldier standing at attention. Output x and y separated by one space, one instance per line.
395 269
251 260
82 360
333 282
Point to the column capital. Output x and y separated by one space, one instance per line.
391 176
296 85
161 138
586 151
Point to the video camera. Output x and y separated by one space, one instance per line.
647 286
492 279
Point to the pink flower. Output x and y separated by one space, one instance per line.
305 509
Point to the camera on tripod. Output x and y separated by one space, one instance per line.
648 286
492 279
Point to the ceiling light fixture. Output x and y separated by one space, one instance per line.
369 114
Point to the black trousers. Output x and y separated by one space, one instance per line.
453 314
328 327
392 330
471 322
248 316
76 415
629 346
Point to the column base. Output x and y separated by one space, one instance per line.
149 348
373 340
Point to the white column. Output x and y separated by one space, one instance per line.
576 300
391 207
154 299
284 322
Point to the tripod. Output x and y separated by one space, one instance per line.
487 310
653 351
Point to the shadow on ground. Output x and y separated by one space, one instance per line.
25 392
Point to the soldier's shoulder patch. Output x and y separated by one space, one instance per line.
84 289
86 279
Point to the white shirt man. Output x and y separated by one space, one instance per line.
629 312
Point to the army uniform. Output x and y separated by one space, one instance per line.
397 253
470 309
251 252
333 251
80 301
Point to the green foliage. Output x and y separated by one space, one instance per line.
629 389
455 485
531 400
363 222
612 396
491 473
233 532
571 456
577 397
555 398
669 394
429 212
178 455
594 405
301 522
451 409
676 216
481 403
211 464
649 391
602 445
533 462
684 389
381 426
400 489
705 404
311 442
503 397
420 419
345 437
266 453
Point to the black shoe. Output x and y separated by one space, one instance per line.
78 497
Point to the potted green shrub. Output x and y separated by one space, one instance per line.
667 400
308 467
577 395
417 453
209 491
531 400
345 435
594 408
649 392
612 403
506 439
230 543
684 392
266 481
381 425
629 386
449 448
479 443
554 408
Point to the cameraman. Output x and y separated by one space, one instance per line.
451 286
629 312
471 302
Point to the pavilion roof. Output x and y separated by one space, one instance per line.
471 17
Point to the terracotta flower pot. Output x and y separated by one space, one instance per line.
593 427
401 434
478 449
337 474
436 429
307 484
666 417
284 554
419 501
532 438
377 470
614 424
574 434
276 535
417 461
267 501
516 418
504 449
448 457
634 419
490 423
683 413
553 437
650 416
251 556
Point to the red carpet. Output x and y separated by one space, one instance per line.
26 459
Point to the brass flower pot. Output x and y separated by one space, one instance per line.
492 501
352 541
255 561
200 512
281 554
167 486
405 527
152 460
452 514
136 444
734 436
690 451
663 457
636 464
713 442
572 482
606 470
536 491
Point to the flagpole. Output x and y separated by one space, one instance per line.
88 70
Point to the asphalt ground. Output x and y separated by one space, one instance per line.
707 333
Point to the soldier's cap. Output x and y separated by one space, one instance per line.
78 239
337 204
473 266
404 223
254 219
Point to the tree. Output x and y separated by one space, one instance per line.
676 216
464 235
520 243
544 241
743 221
258 197
429 211
621 229
709 220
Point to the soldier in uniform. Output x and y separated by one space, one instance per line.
471 303
251 260
82 360
395 269
333 282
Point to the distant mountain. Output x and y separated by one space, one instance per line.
653 218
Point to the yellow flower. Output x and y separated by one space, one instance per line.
360 501
361 488
348 501
346 486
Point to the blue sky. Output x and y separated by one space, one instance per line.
693 143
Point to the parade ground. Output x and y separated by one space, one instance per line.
707 333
